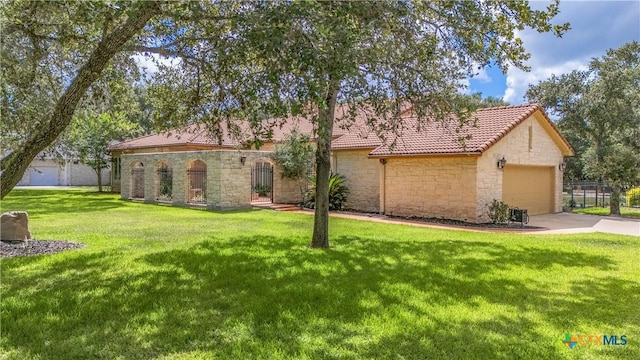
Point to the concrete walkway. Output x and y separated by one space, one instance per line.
561 223
566 223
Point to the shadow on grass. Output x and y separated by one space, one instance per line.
266 297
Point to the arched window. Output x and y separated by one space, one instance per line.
137 180
164 181
197 182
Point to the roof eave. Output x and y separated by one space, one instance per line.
355 148
466 153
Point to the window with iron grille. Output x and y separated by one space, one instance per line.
197 182
164 180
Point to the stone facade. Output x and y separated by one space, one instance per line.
363 178
519 148
453 187
285 191
228 180
440 187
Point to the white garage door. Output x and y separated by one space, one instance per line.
529 187
44 176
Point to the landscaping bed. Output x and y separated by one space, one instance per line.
9 249
448 222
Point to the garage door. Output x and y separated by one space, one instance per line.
42 176
529 187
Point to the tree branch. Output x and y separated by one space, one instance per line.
60 117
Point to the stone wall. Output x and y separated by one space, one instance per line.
440 187
228 181
363 179
285 191
517 149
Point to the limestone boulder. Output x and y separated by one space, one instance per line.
14 226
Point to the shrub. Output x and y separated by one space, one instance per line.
498 212
338 192
262 190
633 196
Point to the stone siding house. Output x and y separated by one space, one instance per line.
514 154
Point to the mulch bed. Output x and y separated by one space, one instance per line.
448 222
513 225
9 249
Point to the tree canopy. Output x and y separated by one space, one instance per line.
284 58
52 53
258 60
599 113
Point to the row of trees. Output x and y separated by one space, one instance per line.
114 109
254 60
599 113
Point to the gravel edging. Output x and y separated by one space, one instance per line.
10 249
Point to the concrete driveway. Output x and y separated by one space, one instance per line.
566 223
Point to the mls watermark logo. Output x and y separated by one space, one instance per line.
593 340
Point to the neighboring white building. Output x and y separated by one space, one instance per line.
49 172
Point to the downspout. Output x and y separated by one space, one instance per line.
383 162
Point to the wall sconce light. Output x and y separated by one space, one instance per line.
501 163
243 159
562 166
383 161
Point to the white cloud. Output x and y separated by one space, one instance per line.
481 75
464 86
596 26
518 81
149 63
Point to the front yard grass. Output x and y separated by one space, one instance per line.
157 282
604 211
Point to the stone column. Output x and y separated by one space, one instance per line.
179 180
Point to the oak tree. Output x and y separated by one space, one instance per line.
52 52
599 113
283 59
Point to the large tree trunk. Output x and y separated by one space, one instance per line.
614 203
14 165
323 169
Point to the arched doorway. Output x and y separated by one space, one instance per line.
137 180
262 182
164 181
197 182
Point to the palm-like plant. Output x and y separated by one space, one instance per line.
338 192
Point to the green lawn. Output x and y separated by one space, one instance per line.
156 282
624 211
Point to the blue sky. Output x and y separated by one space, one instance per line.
596 26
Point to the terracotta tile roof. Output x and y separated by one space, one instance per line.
492 124
434 138
189 135
199 135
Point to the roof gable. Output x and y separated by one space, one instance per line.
492 124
